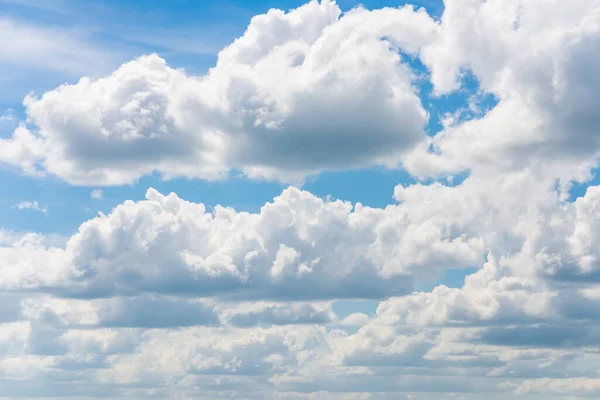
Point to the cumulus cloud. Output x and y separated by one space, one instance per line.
8 116
161 298
515 321
132 312
295 95
298 247
252 314
356 319
536 58
281 102
569 386
161 291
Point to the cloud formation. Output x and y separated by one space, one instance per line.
537 59
298 247
161 298
295 95
97 306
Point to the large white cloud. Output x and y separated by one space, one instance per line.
537 58
527 318
298 93
151 278
298 246
497 328
281 101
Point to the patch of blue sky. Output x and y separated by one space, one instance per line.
452 278
578 189
469 102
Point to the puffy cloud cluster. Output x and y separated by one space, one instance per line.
299 92
537 58
163 299
297 247
159 294
295 95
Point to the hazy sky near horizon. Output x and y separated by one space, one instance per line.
286 200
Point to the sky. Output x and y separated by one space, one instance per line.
287 200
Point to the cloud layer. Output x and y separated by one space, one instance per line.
162 298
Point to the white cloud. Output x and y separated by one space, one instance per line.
274 102
483 331
248 314
537 58
97 194
23 149
569 386
30 205
280 103
299 246
164 263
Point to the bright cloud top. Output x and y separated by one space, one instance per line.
167 298
280 103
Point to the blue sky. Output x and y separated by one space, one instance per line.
413 193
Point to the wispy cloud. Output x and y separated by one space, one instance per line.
8 116
30 205
62 49
37 56
97 194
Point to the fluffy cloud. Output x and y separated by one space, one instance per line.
536 57
129 325
509 321
160 298
156 294
8 116
97 194
280 103
298 247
